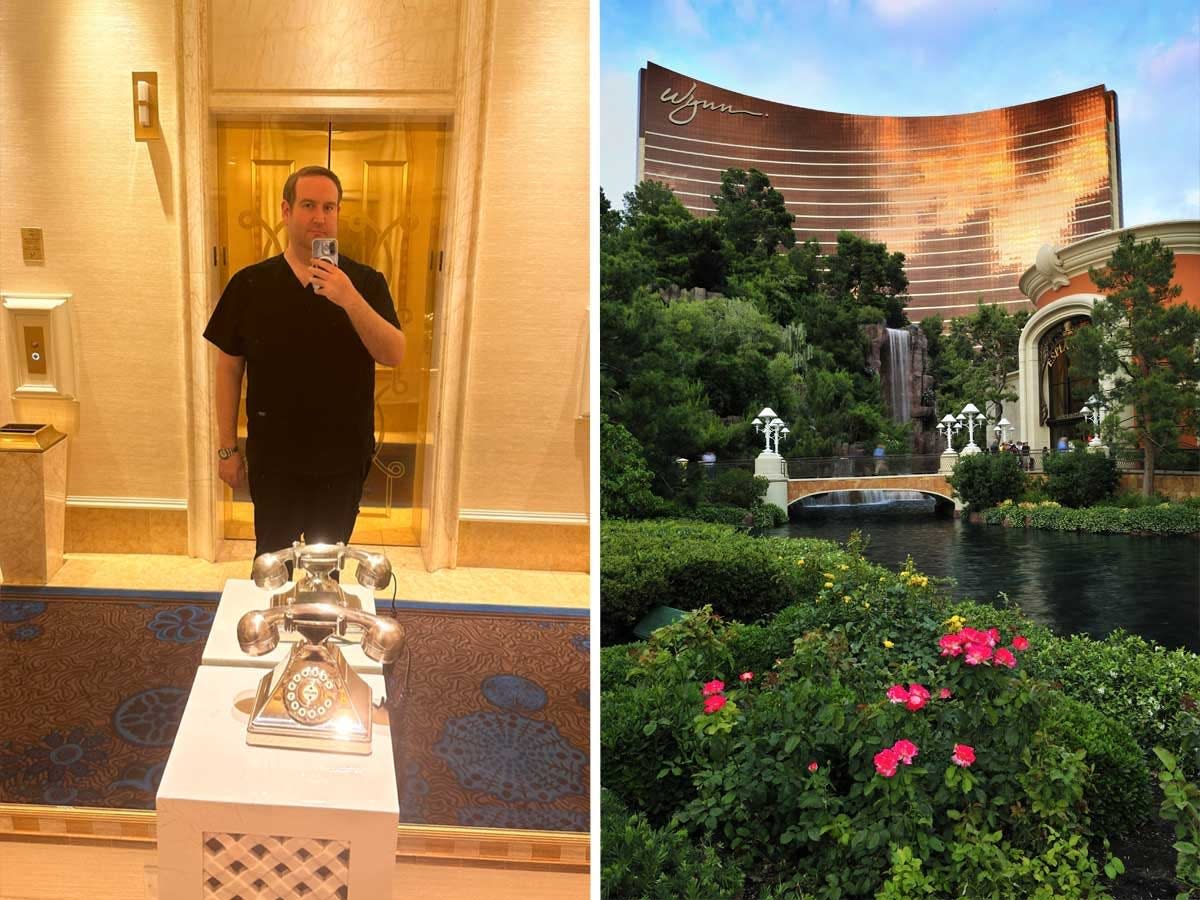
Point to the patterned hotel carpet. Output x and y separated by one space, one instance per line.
492 730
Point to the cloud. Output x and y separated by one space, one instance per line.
684 18
1192 199
1181 59
901 10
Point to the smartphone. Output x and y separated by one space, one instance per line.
325 248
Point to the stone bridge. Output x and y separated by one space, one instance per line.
934 485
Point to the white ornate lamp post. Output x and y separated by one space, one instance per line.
973 416
947 428
1002 428
1093 413
770 425
769 463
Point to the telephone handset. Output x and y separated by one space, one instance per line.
316 564
313 699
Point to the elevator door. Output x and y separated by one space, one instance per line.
390 219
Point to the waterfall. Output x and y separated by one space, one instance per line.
899 374
865 498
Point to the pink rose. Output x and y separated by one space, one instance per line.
978 653
1004 658
713 687
992 637
746 676
917 697
812 766
951 644
886 761
905 750
897 694
1020 642
972 636
945 694
963 755
713 702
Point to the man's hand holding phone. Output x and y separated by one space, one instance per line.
332 283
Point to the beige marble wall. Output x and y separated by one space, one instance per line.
109 209
523 545
312 45
32 514
524 448
124 530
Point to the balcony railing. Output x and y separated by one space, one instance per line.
862 466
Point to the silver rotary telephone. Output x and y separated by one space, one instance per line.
315 565
313 700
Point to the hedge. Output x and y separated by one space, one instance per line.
1164 519
686 565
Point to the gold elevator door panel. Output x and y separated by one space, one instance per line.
392 199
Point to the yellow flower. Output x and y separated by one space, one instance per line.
843 567
846 598
956 623
888 644
866 604
828 585
827 574
800 562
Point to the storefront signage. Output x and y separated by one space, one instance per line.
688 105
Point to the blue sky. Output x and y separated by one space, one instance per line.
926 57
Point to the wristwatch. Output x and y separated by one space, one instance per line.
226 452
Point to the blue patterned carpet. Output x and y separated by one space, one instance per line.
489 712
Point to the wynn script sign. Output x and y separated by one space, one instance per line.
688 105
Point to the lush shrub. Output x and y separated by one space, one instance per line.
645 738
624 476
1080 479
616 663
729 486
982 480
640 862
686 565
708 512
1181 807
1145 686
1119 794
1164 519
786 777
852 629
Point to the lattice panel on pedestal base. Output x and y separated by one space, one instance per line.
267 867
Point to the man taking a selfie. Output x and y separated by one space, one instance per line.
306 332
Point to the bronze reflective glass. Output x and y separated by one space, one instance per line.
967 198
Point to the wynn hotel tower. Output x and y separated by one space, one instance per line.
967 198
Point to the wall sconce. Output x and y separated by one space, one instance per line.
145 107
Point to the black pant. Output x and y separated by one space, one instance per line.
321 507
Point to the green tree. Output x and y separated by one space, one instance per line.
610 219
972 363
871 278
624 477
751 216
1143 348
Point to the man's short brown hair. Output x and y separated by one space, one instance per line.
289 186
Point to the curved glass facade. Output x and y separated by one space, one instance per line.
967 198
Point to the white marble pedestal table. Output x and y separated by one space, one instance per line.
295 823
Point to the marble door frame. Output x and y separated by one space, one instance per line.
465 110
